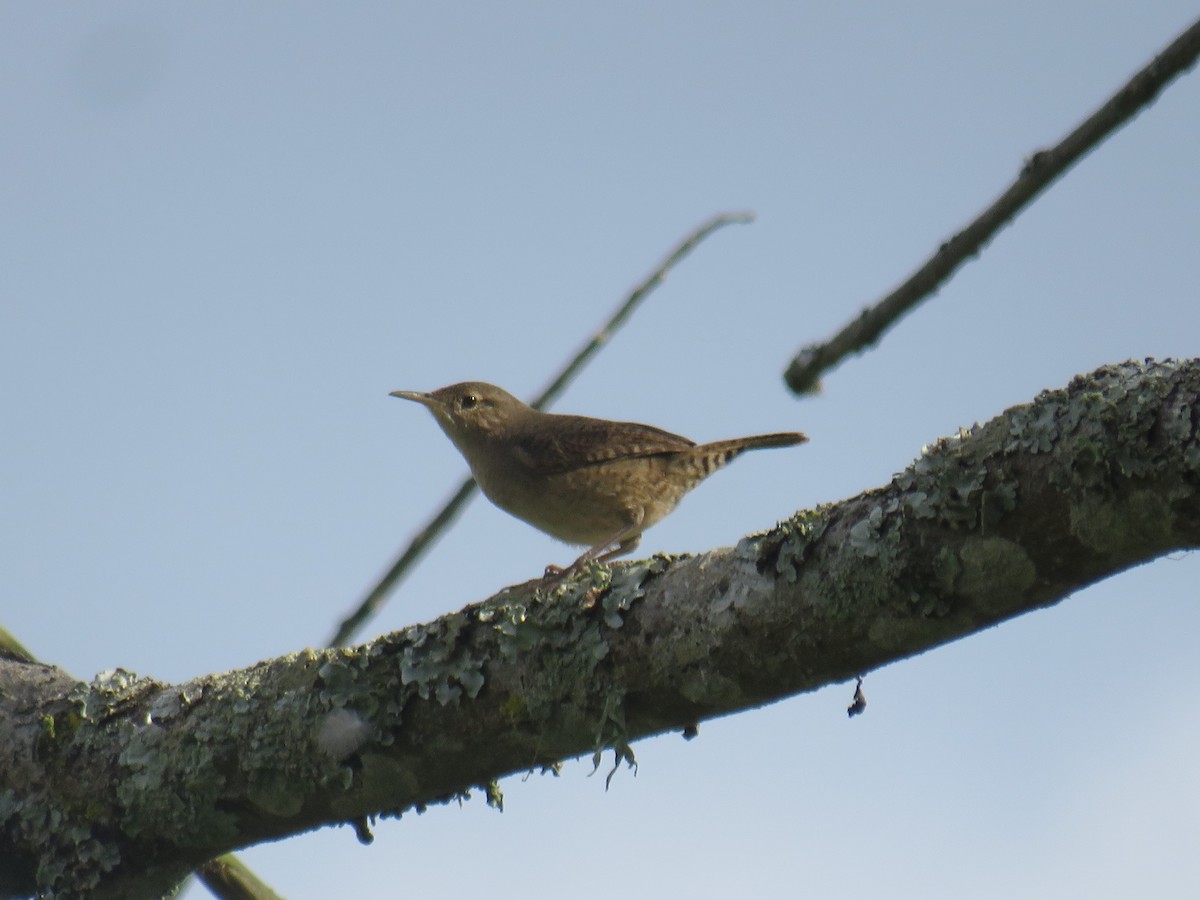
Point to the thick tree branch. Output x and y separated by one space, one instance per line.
1041 170
121 786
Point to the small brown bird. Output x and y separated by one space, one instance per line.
583 481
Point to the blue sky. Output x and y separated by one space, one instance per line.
229 230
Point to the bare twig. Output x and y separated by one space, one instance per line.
556 386
11 648
228 878
1039 172
424 538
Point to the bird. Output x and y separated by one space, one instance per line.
584 481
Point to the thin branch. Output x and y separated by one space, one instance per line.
228 878
424 538
11 648
1039 172
555 388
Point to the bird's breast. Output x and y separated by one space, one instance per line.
588 504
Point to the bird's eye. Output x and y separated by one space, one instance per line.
468 401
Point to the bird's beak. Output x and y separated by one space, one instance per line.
416 396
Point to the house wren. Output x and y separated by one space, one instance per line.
583 481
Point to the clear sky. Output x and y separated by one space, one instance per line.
227 230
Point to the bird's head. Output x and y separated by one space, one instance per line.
469 411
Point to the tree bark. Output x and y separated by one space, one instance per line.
121 786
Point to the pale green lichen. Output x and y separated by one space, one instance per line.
170 787
1124 423
168 777
943 484
76 856
564 633
435 663
994 571
947 568
864 535
495 797
612 733
847 585
1107 527
787 545
1035 428
1192 458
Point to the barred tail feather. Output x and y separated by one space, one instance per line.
756 442
717 454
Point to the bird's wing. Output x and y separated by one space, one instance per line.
573 442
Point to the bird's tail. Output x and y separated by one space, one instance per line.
715 455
